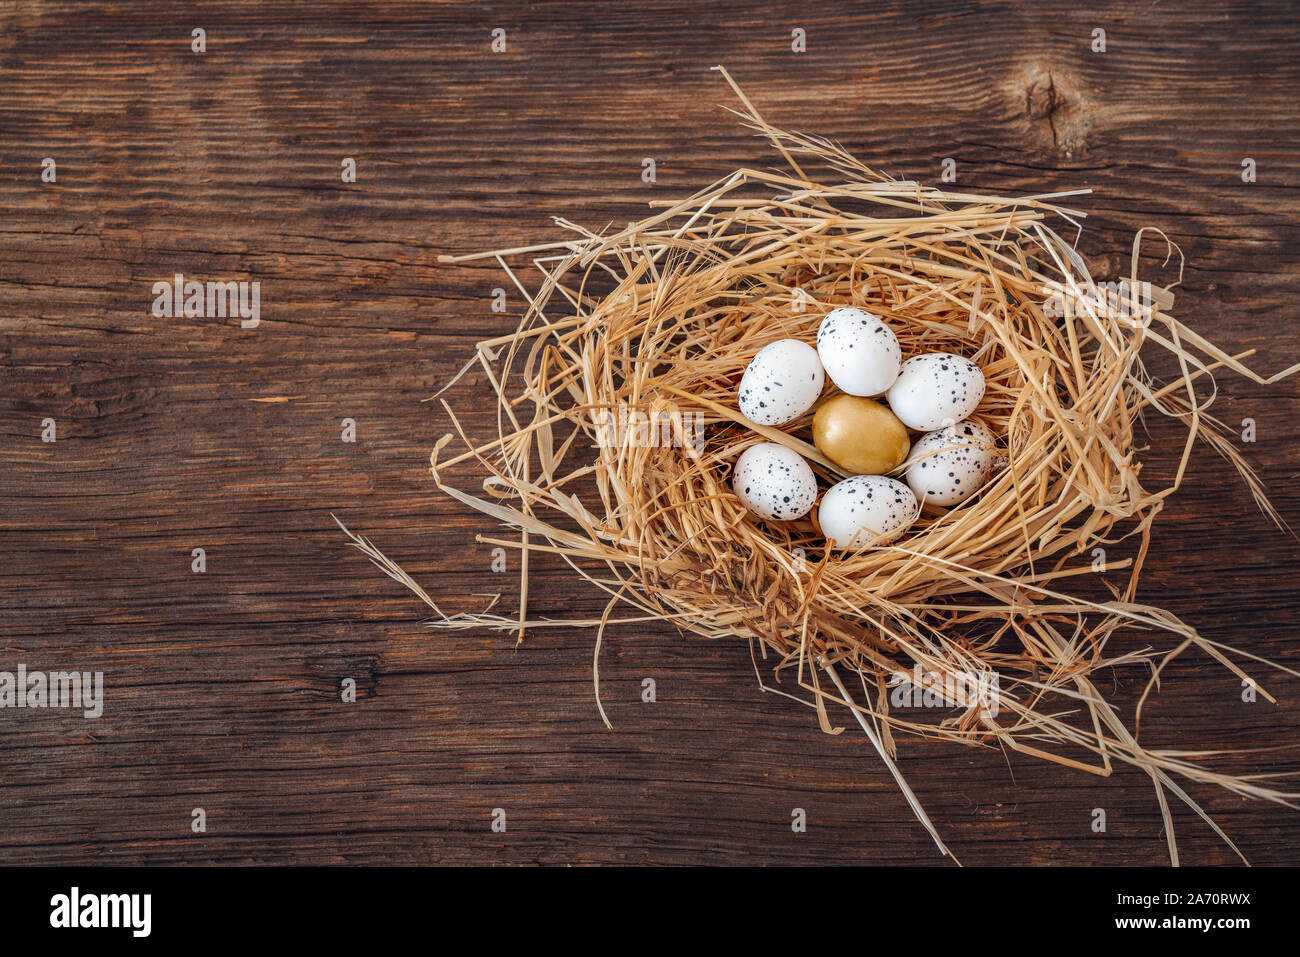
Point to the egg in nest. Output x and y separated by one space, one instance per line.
774 482
859 351
936 390
781 382
866 510
952 464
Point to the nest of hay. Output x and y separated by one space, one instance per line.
619 428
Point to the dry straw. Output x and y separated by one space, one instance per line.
662 318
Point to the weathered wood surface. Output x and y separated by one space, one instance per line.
222 688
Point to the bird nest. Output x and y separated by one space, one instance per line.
619 428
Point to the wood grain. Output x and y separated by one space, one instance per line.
222 688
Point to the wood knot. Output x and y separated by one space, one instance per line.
1057 113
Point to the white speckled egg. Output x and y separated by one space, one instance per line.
858 351
866 510
781 383
950 465
936 390
774 482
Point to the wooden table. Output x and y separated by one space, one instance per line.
222 688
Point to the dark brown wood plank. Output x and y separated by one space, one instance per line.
222 688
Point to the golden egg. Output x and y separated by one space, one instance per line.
860 436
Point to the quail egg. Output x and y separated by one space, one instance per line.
781 382
774 482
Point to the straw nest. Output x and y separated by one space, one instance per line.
653 326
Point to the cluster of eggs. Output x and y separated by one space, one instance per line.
933 393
